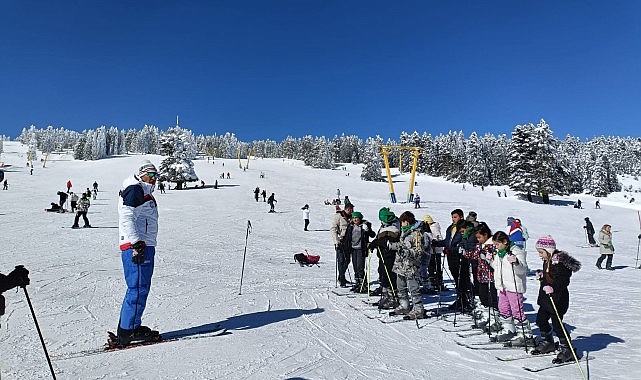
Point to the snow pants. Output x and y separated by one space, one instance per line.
543 316
511 305
138 279
410 286
342 262
358 262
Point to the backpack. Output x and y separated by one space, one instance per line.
304 259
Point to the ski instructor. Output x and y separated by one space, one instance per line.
138 229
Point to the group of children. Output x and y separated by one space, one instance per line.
496 263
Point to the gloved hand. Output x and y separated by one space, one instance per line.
18 277
512 259
393 246
372 245
639 236
138 256
365 227
539 274
548 289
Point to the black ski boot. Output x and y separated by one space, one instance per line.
138 335
546 345
566 354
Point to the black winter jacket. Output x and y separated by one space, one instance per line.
556 273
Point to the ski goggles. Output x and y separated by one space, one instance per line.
152 175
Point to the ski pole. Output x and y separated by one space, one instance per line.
242 272
336 276
473 297
637 261
567 337
458 292
387 273
33 314
520 307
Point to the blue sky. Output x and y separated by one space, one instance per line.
269 69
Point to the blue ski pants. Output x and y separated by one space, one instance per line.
138 279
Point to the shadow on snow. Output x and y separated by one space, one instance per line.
244 321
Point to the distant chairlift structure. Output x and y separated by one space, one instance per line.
416 152
240 163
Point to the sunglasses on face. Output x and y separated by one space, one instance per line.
152 175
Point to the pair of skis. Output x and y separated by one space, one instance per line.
112 344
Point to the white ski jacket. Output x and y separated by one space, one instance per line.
138 214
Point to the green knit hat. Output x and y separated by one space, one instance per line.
385 215
357 214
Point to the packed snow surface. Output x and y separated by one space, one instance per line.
287 323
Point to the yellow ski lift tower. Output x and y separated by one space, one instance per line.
416 150
249 153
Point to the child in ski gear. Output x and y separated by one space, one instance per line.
74 201
516 232
341 220
435 268
482 254
554 297
387 233
138 230
468 243
417 201
407 266
54 208
305 214
605 247
426 286
510 268
83 207
355 241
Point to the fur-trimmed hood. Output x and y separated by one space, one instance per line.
566 260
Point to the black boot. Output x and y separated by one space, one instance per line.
138 335
599 261
566 354
546 345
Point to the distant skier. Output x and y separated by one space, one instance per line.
606 247
95 186
62 199
305 214
256 193
589 231
74 201
597 204
270 201
68 186
417 201
5 185
264 195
